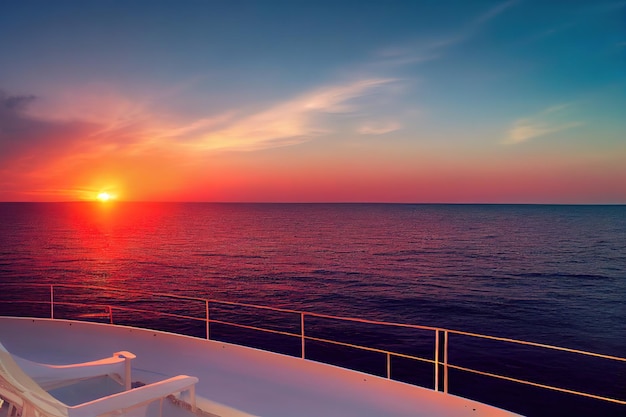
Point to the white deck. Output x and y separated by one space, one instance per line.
241 379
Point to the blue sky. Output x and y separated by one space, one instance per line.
414 101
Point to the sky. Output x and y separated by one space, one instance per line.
514 101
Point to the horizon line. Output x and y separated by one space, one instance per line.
314 202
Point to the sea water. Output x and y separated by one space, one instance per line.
542 273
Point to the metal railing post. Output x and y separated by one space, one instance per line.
208 337
445 361
302 332
441 360
437 360
52 302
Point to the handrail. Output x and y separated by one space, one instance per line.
535 344
440 349
535 384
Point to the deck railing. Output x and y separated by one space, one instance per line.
440 336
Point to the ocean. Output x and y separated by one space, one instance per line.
552 274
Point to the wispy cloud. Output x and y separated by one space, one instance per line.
24 137
493 12
526 129
550 120
379 128
118 123
433 48
415 52
54 137
292 121
578 14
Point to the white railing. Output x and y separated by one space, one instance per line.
440 360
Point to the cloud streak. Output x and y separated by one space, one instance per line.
425 50
493 12
291 122
380 128
52 146
102 121
550 120
23 136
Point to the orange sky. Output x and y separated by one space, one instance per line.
483 106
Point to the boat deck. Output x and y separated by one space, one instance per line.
234 380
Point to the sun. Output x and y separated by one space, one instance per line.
104 197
